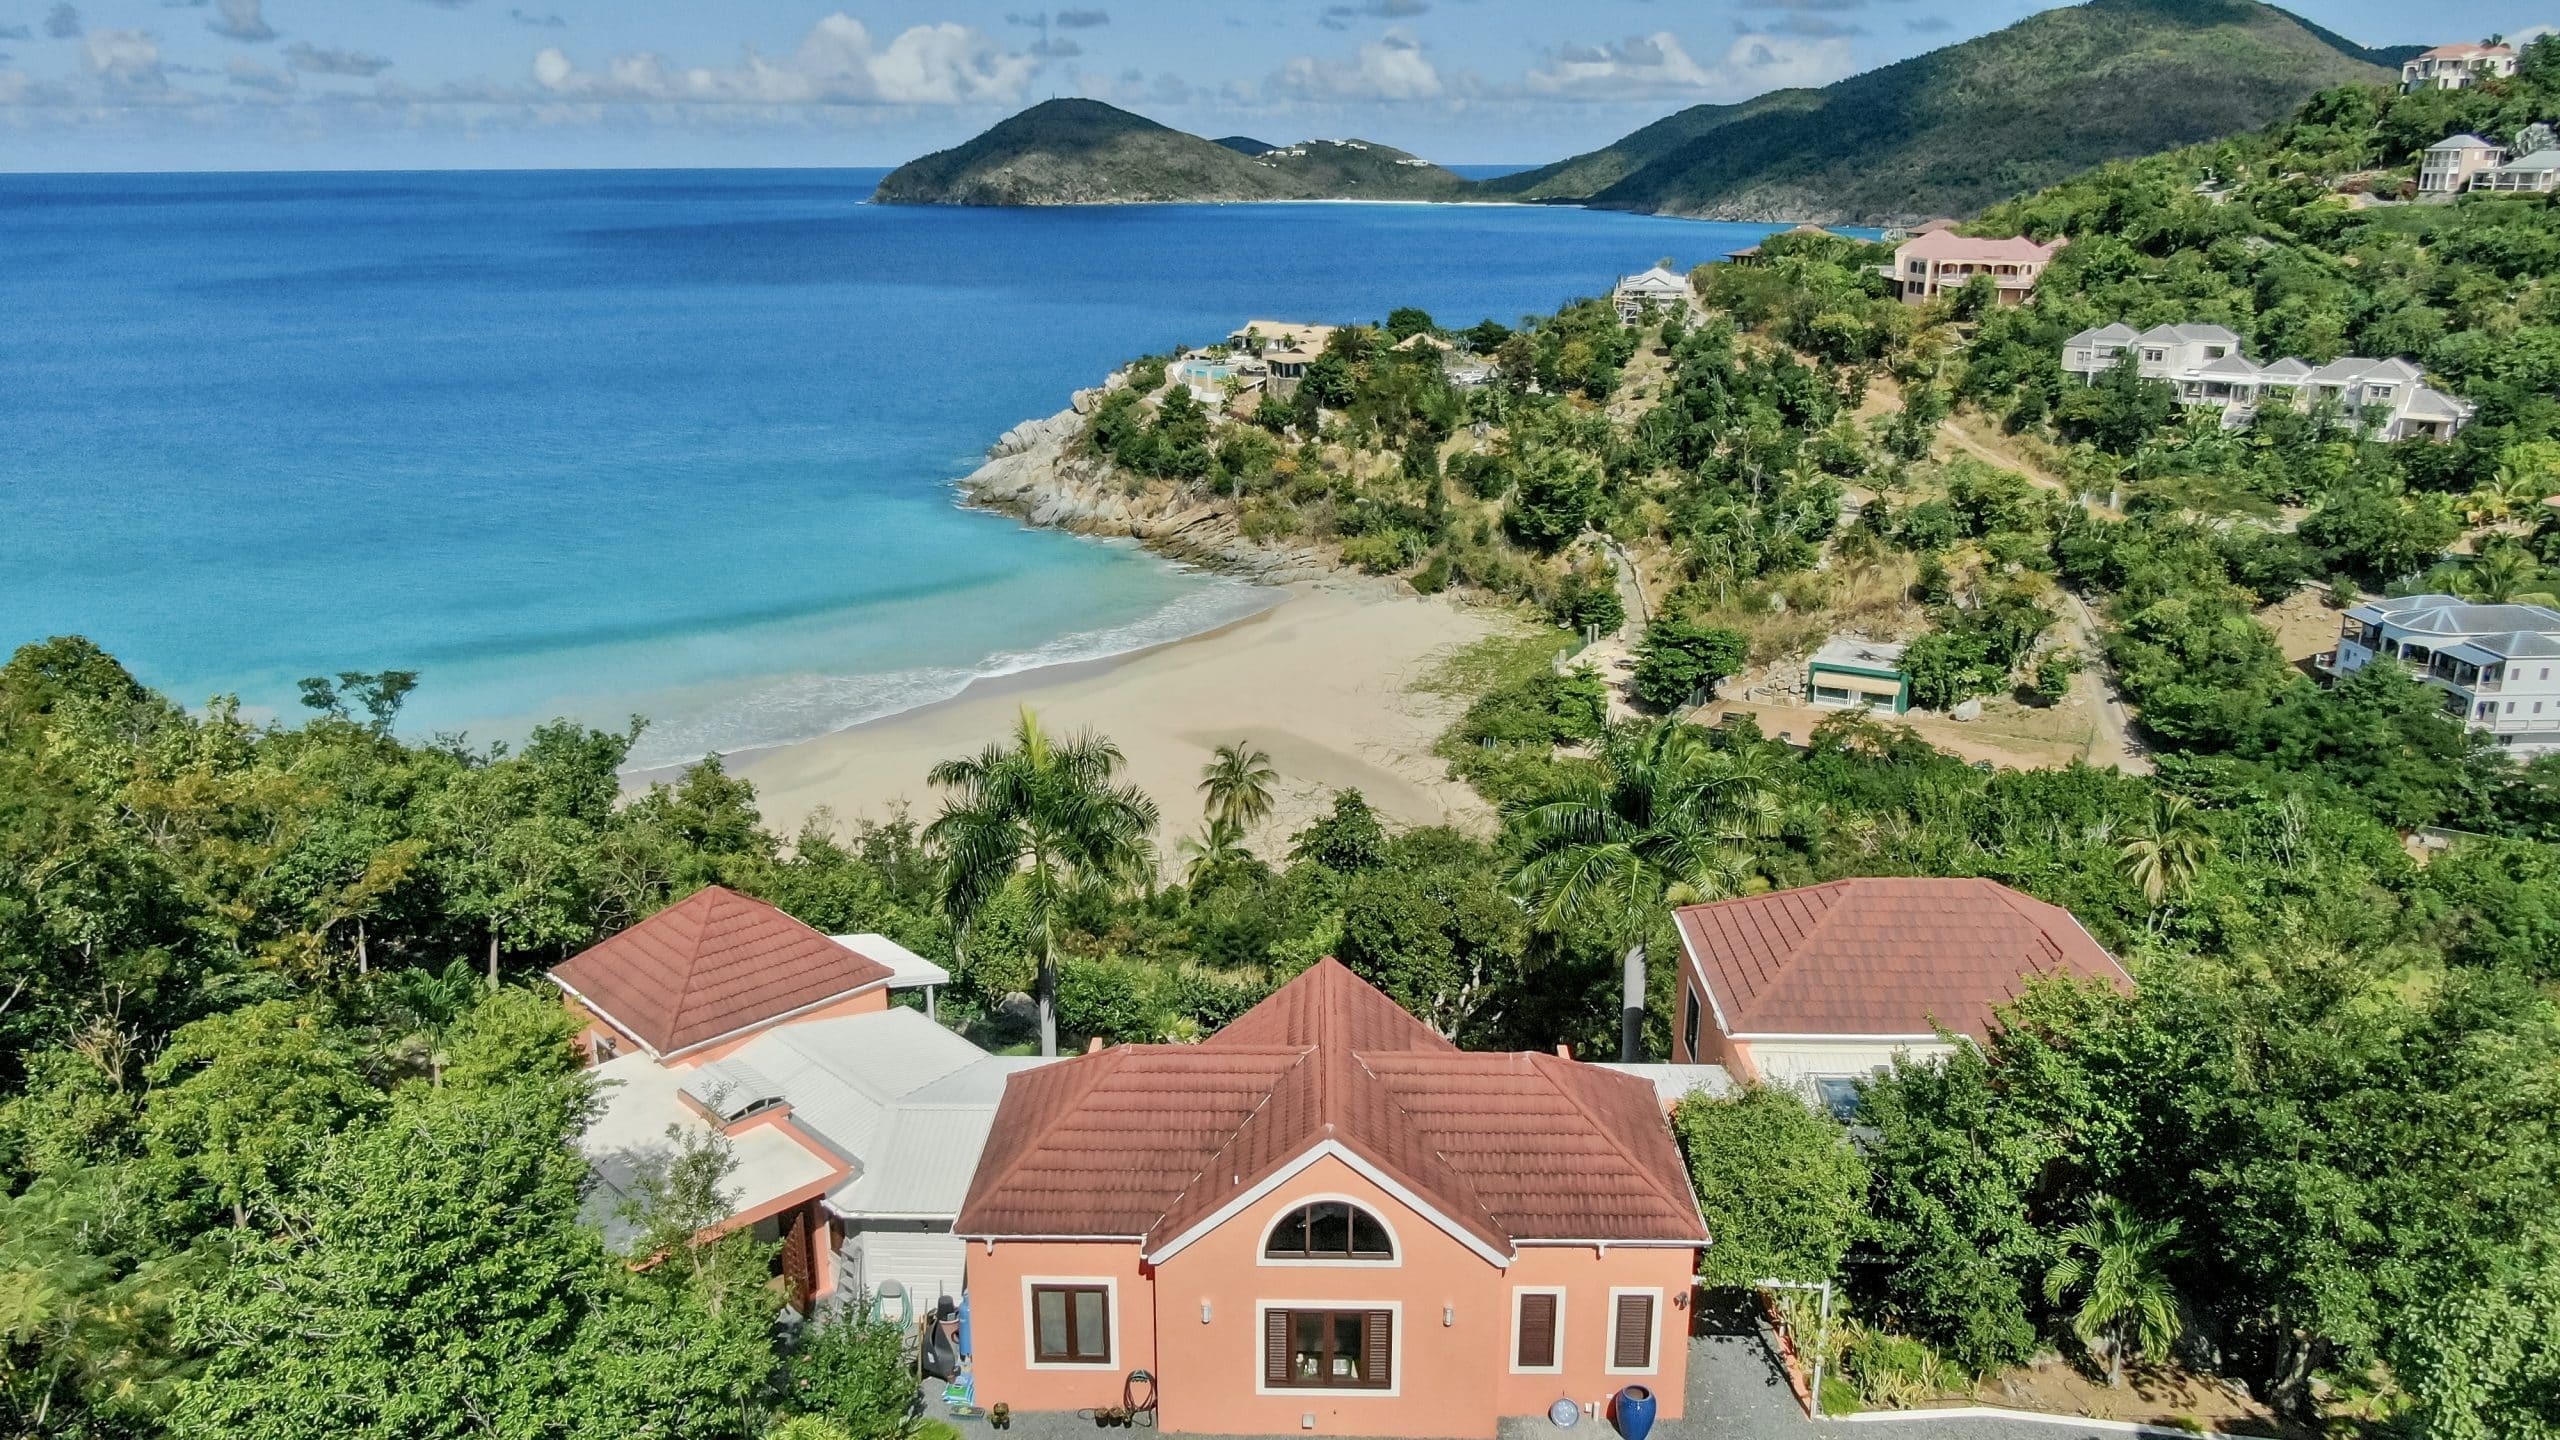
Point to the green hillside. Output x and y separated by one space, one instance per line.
1084 152
1579 177
1957 129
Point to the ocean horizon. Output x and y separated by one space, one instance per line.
668 443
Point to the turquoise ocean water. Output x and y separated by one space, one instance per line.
602 443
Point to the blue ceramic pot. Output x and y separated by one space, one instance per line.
1634 1412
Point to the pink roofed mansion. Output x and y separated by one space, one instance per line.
1935 262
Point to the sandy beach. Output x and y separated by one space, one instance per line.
1323 682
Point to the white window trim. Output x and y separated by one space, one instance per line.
1394 1261
1653 1340
1110 1285
1367 1171
1513 1357
1395 1349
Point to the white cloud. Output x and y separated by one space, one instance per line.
836 63
1390 68
241 20
1659 66
127 60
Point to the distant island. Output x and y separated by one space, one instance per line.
1945 133
1084 152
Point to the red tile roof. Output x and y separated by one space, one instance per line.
1948 245
1148 1141
1882 956
710 966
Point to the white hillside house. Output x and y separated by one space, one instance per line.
1659 288
2457 67
2449 164
2496 664
2207 367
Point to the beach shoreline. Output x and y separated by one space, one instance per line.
1324 681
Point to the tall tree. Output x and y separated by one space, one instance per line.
2168 847
1667 817
1047 810
1235 786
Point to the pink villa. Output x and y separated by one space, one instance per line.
1933 262
1326 1218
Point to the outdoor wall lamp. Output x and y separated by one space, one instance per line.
1448 1315
1204 1312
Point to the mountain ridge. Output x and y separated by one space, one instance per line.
1947 132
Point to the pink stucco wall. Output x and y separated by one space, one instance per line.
1453 1371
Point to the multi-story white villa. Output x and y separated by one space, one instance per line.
2498 665
2453 67
1657 288
2207 367
2535 174
2449 164
1936 261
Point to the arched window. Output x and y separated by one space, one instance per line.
1329 1230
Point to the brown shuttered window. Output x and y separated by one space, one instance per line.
1631 1336
1328 1349
1537 1331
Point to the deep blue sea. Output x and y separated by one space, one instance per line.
670 443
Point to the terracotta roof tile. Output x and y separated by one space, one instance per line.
1882 956
1150 1140
711 965
1948 245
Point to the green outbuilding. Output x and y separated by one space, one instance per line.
1852 674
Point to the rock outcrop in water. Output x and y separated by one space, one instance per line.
1040 472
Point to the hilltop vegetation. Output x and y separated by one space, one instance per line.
1084 152
1951 131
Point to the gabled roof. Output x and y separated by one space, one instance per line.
2190 335
2118 333
2538 160
2467 51
2452 143
1655 279
709 967
1882 956
2234 366
1948 245
1156 1143
2286 369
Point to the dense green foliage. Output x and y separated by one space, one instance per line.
1781 1187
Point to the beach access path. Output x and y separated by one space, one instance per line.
1324 682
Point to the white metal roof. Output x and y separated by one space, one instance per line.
641 1103
1678 1082
907 969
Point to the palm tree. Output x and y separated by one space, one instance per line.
2509 493
1045 810
1235 785
1670 819
2116 1262
2501 571
1219 850
2167 849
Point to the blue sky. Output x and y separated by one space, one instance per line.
297 84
